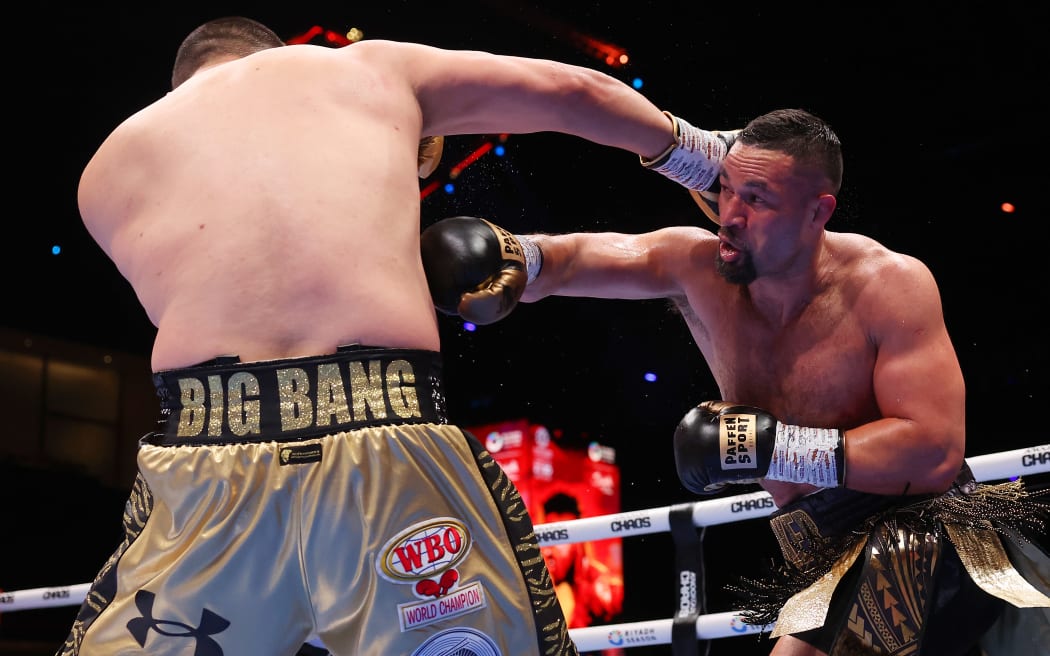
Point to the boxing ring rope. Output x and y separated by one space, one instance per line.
991 467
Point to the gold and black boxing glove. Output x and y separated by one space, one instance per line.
430 149
718 443
475 269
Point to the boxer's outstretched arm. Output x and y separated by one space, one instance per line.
617 265
475 92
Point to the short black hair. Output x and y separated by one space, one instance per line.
231 35
796 132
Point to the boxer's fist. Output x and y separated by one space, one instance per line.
718 443
708 199
694 160
474 269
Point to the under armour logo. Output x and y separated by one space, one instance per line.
210 625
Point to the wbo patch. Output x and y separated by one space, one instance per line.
425 556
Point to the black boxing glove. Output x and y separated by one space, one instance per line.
718 443
475 269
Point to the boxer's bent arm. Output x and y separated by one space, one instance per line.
919 445
614 265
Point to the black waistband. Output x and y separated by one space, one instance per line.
837 511
227 401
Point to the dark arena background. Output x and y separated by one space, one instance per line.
943 115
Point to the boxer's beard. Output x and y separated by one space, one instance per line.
741 272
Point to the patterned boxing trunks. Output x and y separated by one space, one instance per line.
903 572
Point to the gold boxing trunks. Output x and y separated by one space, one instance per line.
323 497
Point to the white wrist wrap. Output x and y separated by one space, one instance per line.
694 160
533 257
806 455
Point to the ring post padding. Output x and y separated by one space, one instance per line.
689 563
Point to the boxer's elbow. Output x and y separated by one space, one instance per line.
943 460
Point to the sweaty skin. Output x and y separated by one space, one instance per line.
836 330
269 206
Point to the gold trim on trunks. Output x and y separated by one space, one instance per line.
797 534
808 609
982 553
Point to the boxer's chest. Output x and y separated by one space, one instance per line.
816 369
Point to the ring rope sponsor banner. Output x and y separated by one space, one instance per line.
996 466
658 632
69 595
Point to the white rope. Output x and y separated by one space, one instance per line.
991 467
70 595
658 632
